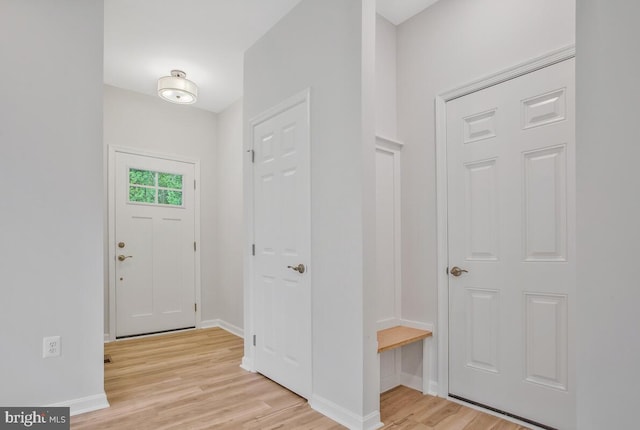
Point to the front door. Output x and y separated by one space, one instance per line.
282 223
155 244
511 194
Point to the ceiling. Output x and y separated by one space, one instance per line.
146 39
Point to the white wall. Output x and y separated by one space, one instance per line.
140 121
386 118
450 44
329 47
229 295
608 207
51 207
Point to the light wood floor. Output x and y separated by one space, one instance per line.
192 380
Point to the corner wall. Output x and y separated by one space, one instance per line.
229 294
51 259
326 46
608 208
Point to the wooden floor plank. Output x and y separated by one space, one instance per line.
192 380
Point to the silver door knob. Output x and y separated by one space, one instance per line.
124 257
456 271
299 268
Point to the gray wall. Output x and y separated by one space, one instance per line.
329 47
450 44
52 205
229 305
608 207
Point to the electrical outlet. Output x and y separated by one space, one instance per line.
51 346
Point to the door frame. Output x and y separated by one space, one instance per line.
111 226
304 96
441 100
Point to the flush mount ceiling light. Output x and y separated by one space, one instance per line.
177 89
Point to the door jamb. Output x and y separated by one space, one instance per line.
111 230
441 100
304 96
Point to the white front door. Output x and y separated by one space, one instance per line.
154 250
511 194
282 223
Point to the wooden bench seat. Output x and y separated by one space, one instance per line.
398 336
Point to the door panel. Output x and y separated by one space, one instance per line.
282 225
155 284
511 224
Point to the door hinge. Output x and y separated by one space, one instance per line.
194 184
194 246
254 340
253 155
447 271
253 249
195 307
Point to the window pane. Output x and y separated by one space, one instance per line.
142 177
168 197
168 180
142 195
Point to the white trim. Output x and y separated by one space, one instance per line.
235 330
416 324
209 323
111 201
388 143
247 364
393 147
107 338
303 97
345 417
84 404
442 337
411 381
518 70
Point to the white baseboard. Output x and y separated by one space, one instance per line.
223 325
417 324
107 338
411 381
345 417
84 404
388 383
247 364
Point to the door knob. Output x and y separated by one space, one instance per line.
124 257
299 268
456 271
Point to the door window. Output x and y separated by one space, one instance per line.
155 188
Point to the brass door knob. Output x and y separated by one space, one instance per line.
124 257
456 271
299 268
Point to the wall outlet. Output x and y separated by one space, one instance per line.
51 346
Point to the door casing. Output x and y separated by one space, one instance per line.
111 227
248 360
442 328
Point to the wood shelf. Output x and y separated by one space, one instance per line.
398 336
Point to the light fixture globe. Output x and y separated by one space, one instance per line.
177 89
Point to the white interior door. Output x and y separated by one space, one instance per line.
282 225
155 251
511 193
